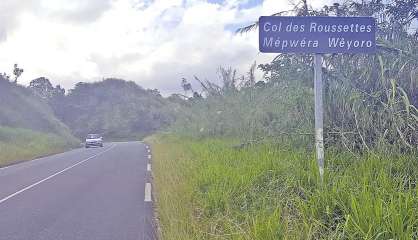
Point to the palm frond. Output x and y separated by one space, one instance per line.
254 26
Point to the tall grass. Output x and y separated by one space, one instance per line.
279 110
206 189
22 144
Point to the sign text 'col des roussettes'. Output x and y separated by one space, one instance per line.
317 34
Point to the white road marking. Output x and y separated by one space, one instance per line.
149 167
149 150
149 156
53 175
3 168
148 192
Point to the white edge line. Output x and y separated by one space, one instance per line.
53 175
147 193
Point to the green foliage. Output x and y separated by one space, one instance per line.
115 108
251 113
20 108
28 126
237 165
370 100
18 144
44 89
208 190
17 72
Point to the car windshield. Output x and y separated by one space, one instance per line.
93 136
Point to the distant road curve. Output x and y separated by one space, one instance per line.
84 194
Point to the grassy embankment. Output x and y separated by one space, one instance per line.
23 144
208 190
28 126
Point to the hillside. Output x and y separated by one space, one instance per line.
20 108
118 109
28 126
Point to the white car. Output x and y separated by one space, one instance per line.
94 140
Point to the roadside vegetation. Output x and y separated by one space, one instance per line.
17 144
206 189
21 108
115 108
239 162
28 126
42 119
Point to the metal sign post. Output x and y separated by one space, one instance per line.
317 35
319 114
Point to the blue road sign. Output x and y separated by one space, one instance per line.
317 34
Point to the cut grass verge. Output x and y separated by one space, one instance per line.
208 190
23 144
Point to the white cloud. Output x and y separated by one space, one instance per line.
154 43
74 10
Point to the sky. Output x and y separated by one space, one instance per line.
152 42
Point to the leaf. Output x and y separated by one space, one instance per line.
393 84
405 100
254 26
382 67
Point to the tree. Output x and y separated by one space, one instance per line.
113 107
17 72
197 95
186 86
42 87
5 77
154 92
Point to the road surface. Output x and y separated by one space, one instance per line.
89 194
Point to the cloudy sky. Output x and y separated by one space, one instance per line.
152 42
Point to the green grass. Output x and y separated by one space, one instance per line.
23 144
208 190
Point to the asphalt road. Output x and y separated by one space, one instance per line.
89 194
